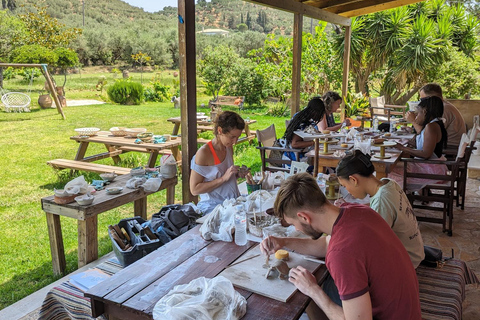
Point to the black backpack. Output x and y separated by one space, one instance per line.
174 220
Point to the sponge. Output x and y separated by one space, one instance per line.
281 254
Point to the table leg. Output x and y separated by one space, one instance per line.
315 158
82 149
380 170
247 132
171 194
56 243
176 128
140 208
176 153
116 159
153 158
87 240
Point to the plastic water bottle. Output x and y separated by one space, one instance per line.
322 184
375 124
393 124
240 226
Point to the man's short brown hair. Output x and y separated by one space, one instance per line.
432 89
299 191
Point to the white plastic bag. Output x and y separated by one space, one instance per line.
152 184
76 186
219 223
202 299
135 182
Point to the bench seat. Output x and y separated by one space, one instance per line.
442 289
228 101
61 164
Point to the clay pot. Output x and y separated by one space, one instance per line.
125 74
45 101
63 101
175 74
60 91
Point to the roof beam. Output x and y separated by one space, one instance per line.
363 7
306 10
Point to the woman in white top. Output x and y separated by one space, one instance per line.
214 176
429 144
355 173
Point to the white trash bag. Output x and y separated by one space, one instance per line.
152 184
202 299
219 223
77 186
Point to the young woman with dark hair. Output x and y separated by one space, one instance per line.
332 101
309 116
214 176
355 173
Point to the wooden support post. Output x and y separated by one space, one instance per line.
346 67
297 62
56 243
188 88
53 91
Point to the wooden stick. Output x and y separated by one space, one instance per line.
244 260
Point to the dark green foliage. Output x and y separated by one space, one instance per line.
126 92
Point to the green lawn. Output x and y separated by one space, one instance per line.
29 140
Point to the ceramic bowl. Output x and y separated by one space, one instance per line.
108 176
85 200
114 190
145 136
378 141
119 131
87 131
326 131
133 132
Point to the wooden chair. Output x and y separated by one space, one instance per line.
383 111
272 156
444 191
461 186
297 167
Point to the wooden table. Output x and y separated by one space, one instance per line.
320 161
133 292
87 218
204 124
118 145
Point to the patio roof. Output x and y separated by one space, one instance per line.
334 11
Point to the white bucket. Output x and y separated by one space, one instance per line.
168 170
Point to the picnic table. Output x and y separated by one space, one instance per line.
115 146
87 218
133 292
205 124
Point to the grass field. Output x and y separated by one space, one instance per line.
29 140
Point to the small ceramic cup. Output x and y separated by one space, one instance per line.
167 137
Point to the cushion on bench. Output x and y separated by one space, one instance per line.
442 290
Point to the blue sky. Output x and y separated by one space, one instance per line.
153 5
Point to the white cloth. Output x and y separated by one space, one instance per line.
228 190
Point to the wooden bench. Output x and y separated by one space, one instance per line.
61 164
236 101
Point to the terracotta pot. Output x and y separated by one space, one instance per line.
63 101
125 74
45 101
60 91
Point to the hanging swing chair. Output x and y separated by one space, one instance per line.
17 101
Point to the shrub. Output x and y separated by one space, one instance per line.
126 92
158 93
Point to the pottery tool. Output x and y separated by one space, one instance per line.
314 260
233 264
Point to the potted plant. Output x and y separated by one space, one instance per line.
356 105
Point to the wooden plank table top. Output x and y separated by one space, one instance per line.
87 218
133 292
114 143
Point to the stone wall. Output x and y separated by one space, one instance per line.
468 108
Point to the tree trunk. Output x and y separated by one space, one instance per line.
1 77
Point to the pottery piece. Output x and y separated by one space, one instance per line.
85 200
109 176
114 190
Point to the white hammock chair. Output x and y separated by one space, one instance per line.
17 101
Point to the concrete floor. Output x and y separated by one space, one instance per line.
465 242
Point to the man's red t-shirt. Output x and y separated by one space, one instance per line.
365 255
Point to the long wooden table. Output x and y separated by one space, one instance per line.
87 218
204 124
118 145
133 292
382 166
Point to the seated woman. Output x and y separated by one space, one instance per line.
355 173
309 116
332 101
214 176
428 144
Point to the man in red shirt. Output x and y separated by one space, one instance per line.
367 261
